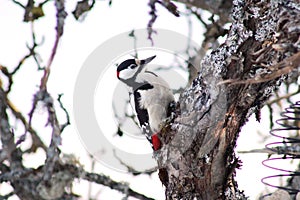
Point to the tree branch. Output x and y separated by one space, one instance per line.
218 7
119 186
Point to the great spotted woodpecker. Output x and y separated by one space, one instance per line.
152 96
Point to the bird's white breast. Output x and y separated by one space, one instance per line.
156 100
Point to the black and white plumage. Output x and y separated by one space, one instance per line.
152 95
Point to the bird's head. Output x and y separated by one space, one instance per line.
130 68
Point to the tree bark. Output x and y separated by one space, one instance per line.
235 80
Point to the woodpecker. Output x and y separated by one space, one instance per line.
153 97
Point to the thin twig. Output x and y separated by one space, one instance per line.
152 20
63 126
36 140
131 34
42 95
119 186
281 68
31 52
287 96
18 3
170 6
35 44
61 14
132 170
44 2
199 17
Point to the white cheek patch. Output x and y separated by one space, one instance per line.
127 73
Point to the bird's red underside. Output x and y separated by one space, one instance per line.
156 142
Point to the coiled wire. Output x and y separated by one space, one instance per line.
286 150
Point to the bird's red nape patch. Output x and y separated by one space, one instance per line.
118 74
156 142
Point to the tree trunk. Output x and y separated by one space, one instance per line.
261 49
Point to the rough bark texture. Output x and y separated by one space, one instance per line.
261 49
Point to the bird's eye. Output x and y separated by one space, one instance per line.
132 66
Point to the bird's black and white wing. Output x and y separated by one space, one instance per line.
142 113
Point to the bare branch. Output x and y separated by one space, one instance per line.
282 68
18 3
7 136
218 7
52 151
119 186
132 170
31 53
152 20
171 7
73 172
131 34
63 126
9 75
36 140
82 7
61 14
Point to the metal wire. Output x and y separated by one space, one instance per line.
286 150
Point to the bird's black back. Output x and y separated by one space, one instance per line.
142 113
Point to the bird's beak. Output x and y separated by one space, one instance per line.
147 60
